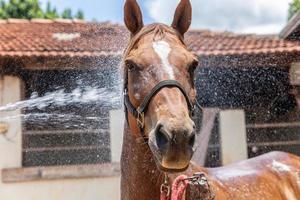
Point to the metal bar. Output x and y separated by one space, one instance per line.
56 132
275 125
17 175
280 143
64 148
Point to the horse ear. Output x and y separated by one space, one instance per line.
133 16
183 17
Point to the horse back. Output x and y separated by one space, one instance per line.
273 176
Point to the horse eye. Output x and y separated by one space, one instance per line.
131 65
193 67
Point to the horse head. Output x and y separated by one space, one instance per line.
159 84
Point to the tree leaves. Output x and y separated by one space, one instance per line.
29 9
294 7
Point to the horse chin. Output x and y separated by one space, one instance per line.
164 166
170 169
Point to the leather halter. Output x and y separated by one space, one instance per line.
139 112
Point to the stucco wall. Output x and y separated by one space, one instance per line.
10 157
10 140
81 189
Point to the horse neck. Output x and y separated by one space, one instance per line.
140 178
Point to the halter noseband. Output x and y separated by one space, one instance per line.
139 113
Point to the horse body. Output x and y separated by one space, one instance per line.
273 176
160 133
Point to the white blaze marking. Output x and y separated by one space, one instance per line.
163 50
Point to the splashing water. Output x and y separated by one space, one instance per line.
105 96
37 107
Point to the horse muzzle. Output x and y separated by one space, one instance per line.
172 147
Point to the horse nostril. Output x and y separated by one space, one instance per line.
192 139
161 139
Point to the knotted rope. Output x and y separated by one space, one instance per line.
198 183
178 188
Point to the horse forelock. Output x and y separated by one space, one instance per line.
159 32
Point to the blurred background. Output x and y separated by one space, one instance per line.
61 115
257 16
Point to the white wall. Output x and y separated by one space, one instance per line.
295 81
233 138
80 189
11 142
117 119
10 157
295 74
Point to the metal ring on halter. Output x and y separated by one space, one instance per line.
165 187
199 178
140 119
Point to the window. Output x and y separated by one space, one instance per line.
66 120
272 116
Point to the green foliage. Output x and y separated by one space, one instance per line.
28 9
50 13
3 14
294 7
79 15
24 9
67 14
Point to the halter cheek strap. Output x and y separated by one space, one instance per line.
139 112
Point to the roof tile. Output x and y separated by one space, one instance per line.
78 38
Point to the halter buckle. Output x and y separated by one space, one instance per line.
165 187
140 118
199 179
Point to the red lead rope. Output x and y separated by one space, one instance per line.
178 189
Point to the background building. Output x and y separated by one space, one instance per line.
62 138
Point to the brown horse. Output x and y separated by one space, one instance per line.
159 135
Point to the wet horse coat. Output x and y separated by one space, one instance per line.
157 53
274 176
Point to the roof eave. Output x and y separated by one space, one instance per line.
292 26
246 60
60 62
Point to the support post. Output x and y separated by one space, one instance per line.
233 138
117 119
294 76
10 123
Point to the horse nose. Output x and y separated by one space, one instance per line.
162 138
192 138
167 137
